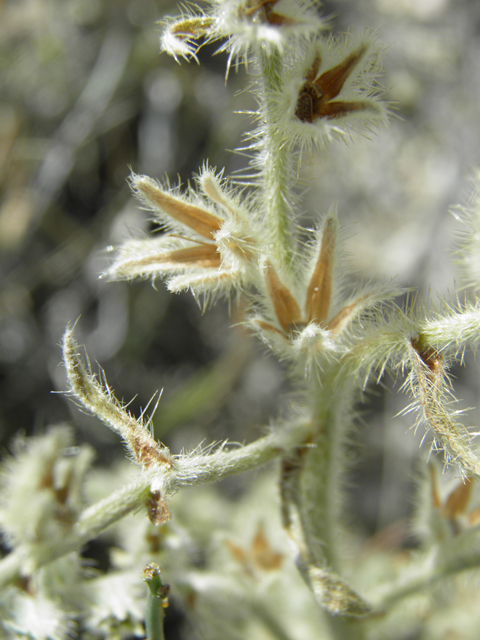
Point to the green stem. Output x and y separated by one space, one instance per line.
311 482
187 470
156 601
324 474
322 488
91 523
275 156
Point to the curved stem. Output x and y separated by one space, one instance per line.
311 486
187 470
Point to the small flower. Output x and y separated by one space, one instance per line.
259 557
313 331
211 247
316 98
179 37
335 90
265 11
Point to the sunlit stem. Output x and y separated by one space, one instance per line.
327 461
187 471
276 163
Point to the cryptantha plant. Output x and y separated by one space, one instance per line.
222 238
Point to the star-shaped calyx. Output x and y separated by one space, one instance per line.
317 96
308 329
209 241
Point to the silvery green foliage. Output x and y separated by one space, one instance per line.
292 573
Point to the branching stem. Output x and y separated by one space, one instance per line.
187 471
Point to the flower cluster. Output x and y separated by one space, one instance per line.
215 239
215 245
220 241
242 24
326 86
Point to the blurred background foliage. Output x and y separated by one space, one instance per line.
85 97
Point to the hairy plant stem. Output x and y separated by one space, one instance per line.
276 166
25 559
311 485
188 470
324 478
325 465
